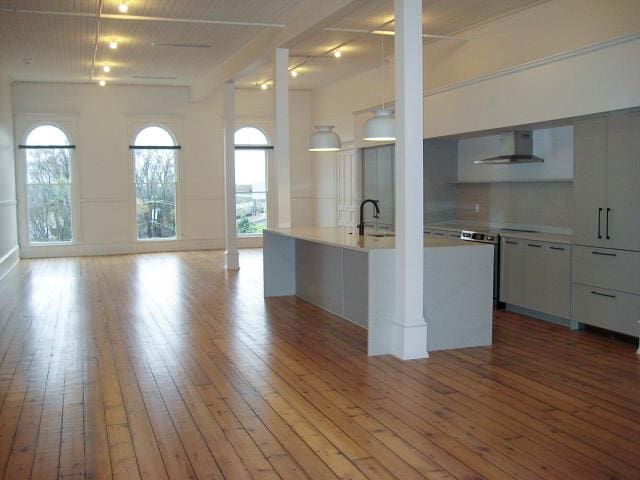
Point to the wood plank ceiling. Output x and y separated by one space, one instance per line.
60 47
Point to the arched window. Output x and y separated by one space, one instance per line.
48 177
251 147
155 178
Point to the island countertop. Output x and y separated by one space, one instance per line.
347 237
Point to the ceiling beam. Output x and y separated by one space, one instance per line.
139 18
303 21
391 33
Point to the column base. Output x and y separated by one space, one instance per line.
231 261
410 340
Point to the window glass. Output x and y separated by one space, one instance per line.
155 179
48 176
251 182
250 136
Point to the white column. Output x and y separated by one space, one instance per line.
282 160
410 328
231 258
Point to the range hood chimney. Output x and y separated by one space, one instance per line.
516 148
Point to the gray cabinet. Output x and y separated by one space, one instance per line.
378 184
607 181
610 309
588 181
622 217
536 275
547 280
606 289
512 271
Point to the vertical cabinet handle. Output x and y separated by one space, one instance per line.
607 227
599 217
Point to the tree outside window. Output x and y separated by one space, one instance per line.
48 174
251 181
155 179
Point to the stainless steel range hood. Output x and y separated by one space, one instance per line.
516 148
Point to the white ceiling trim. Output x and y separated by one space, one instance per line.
378 32
140 18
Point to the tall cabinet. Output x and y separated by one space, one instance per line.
607 181
606 231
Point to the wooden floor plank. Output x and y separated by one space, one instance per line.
168 366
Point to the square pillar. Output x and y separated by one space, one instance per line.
282 160
231 257
410 327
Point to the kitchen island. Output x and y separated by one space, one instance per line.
353 277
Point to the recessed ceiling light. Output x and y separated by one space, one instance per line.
106 68
123 8
337 53
294 73
264 86
102 83
113 45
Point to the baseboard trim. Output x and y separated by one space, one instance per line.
565 322
8 261
120 248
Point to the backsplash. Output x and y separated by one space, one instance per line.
546 206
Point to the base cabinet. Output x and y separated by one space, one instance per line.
536 275
610 309
606 289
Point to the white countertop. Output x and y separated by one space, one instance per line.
347 237
535 236
539 237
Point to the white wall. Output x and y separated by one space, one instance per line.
103 119
545 30
8 227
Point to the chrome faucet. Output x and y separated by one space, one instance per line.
375 215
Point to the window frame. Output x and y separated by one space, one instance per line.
268 150
25 125
171 128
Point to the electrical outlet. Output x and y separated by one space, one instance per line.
477 208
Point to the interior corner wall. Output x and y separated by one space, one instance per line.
9 251
102 134
104 163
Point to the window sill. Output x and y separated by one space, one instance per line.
167 239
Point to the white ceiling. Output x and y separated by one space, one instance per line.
60 48
362 51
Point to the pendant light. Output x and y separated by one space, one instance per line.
324 140
382 126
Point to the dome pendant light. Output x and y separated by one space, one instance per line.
382 126
324 140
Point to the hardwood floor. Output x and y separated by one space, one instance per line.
166 366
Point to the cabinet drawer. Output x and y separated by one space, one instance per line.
606 268
610 309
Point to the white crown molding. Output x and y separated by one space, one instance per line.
558 57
